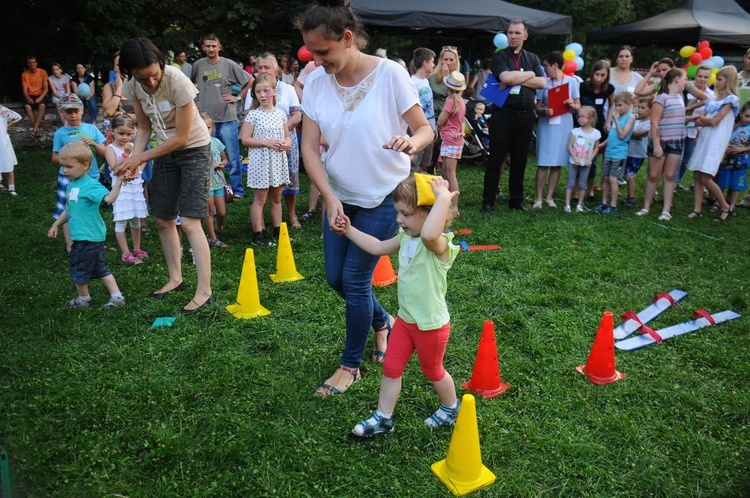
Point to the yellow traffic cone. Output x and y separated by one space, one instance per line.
286 270
462 470
248 301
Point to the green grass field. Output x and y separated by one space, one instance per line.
96 403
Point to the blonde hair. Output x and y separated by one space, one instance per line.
624 96
439 71
406 192
263 78
76 151
589 111
208 119
730 74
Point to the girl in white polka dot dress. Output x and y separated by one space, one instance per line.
265 134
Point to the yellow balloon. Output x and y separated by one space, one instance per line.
712 79
714 70
687 51
569 55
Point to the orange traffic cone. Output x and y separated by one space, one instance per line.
248 301
286 270
462 470
384 274
600 368
485 381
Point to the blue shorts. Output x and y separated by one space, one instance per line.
62 198
219 192
732 179
633 165
86 261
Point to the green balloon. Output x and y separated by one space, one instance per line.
691 70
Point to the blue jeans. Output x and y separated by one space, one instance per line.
349 272
93 111
229 136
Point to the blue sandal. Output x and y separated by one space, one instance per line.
374 425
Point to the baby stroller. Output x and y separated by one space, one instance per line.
475 146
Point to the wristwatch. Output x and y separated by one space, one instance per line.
239 98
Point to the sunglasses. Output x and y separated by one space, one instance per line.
450 47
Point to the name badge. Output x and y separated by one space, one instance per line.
164 106
73 197
599 101
409 249
515 90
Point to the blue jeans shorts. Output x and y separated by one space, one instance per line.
86 261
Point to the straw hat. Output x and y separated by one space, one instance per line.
455 81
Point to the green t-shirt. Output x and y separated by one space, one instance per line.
422 282
84 219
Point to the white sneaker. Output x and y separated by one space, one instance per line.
566 208
13 192
579 208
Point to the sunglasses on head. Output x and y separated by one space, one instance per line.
450 47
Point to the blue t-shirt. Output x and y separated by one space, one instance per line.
84 219
65 135
617 148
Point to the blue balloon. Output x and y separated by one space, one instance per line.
501 41
84 90
579 61
717 62
575 47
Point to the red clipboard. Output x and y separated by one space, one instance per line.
556 98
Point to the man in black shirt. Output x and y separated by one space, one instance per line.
511 126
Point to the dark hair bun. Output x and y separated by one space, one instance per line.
333 3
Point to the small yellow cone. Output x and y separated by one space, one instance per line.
248 301
462 470
286 270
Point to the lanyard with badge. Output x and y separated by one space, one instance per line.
516 90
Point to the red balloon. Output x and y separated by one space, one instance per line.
303 54
570 67
706 53
696 58
703 44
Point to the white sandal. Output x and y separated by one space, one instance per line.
665 216
642 212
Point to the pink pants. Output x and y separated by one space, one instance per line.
429 344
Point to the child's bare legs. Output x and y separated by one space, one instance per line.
220 216
655 167
83 289
256 209
274 196
631 186
671 163
701 180
450 165
389 391
614 190
732 197
446 390
568 195
291 206
122 241
135 234
606 184
111 285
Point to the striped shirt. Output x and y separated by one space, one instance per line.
672 122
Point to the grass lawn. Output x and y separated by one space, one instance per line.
97 403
